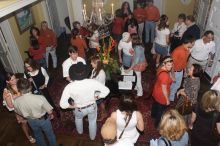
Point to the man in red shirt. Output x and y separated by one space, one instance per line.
161 90
152 15
139 16
180 57
51 43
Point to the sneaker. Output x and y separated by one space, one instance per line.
31 139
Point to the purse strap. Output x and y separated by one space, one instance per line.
129 118
165 141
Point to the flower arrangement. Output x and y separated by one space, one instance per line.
111 66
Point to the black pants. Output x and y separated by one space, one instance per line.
175 43
46 94
157 111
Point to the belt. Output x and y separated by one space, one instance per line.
197 59
86 106
178 70
43 117
179 38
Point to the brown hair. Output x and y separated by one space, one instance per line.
210 100
33 64
163 22
127 104
99 64
75 32
8 77
190 18
72 49
172 126
136 39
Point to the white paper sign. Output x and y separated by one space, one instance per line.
129 78
125 85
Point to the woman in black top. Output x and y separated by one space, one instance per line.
39 78
205 120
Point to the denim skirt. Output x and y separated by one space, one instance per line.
162 50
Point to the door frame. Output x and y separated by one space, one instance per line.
14 53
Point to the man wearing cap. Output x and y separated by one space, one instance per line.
84 93
37 111
73 59
125 46
109 133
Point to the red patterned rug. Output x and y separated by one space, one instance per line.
66 124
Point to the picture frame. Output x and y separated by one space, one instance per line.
24 19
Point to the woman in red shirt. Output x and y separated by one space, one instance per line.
118 26
161 90
38 46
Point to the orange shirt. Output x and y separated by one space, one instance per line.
36 54
42 42
49 37
180 56
152 13
139 14
164 78
80 44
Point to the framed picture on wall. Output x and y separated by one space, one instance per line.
24 19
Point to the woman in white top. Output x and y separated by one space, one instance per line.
125 50
127 114
94 41
162 39
10 93
177 32
39 78
99 74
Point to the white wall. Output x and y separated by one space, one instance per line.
62 12
214 25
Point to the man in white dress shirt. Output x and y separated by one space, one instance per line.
73 59
203 50
83 93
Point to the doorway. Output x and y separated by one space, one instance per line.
9 53
5 56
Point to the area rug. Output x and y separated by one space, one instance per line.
66 125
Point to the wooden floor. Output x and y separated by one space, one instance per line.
12 134
65 141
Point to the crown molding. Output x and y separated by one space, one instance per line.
15 6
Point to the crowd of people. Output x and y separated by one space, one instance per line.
180 56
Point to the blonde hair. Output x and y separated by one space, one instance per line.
109 131
210 100
172 126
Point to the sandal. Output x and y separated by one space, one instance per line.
31 139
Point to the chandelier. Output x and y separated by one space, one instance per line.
98 14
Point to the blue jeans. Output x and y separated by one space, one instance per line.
42 63
175 85
149 31
42 125
126 60
162 50
91 112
